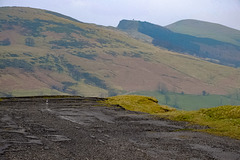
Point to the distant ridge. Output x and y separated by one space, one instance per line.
206 29
211 49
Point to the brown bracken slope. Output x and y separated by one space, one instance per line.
44 52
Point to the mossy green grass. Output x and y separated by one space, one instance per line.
138 103
222 120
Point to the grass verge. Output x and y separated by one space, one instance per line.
139 103
222 121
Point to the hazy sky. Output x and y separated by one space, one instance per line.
161 12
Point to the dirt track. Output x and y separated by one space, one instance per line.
81 128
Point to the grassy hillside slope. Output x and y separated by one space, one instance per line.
206 29
43 52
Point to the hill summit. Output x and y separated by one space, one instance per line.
206 30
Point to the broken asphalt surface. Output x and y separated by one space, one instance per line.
77 128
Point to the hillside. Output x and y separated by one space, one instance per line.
210 49
206 29
44 52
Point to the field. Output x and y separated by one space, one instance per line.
190 102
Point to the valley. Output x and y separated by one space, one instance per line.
76 90
48 53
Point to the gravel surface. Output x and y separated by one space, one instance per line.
83 129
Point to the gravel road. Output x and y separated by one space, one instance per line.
78 128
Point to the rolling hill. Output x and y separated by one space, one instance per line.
206 30
43 52
206 47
